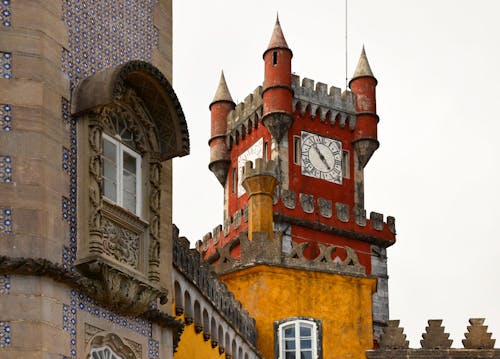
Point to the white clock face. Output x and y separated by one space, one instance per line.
253 152
321 157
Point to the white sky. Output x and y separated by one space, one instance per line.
436 171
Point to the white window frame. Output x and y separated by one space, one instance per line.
297 322
120 149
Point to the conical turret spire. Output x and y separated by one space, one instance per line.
277 38
363 68
222 93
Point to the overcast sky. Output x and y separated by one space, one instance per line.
437 169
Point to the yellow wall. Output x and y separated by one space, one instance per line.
342 303
193 346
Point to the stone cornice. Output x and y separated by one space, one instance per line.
44 268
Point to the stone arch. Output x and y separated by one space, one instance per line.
179 303
197 317
213 332
188 308
111 343
155 91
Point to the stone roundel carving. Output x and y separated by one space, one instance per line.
105 345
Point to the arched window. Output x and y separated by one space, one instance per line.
298 338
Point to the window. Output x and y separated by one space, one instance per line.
233 181
121 173
275 58
298 339
296 150
264 152
346 170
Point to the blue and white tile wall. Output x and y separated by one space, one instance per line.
5 117
4 334
4 284
80 302
6 169
69 162
5 65
5 14
5 226
106 33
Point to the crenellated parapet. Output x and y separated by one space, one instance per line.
190 264
245 117
334 104
435 343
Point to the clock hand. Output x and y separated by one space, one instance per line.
322 158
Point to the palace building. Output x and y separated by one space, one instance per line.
91 265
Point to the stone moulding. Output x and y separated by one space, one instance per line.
93 288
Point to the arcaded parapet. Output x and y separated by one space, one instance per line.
189 262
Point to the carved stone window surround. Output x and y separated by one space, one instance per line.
115 239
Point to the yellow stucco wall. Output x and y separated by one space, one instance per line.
193 346
342 303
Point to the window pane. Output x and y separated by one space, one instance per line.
306 355
290 355
289 332
109 150
305 331
109 170
290 344
129 182
110 189
129 202
129 162
305 344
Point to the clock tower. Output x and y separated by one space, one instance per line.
296 241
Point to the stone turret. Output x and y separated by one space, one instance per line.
220 107
277 94
363 85
260 182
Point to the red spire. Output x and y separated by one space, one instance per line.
277 38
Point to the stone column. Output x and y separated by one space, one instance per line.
260 183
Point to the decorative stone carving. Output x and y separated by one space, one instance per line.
120 243
227 226
90 331
325 207
216 233
136 347
342 212
245 214
435 337
288 198
306 202
113 342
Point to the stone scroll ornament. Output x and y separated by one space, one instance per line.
95 195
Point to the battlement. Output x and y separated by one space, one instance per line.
337 218
261 168
245 115
340 106
436 343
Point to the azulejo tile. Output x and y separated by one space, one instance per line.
6 169
5 13
4 334
5 226
5 65
5 117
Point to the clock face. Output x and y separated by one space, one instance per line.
253 152
321 157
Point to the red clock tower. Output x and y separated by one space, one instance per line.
319 141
